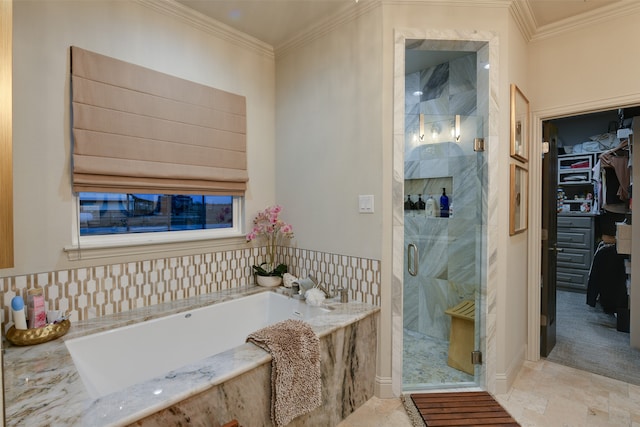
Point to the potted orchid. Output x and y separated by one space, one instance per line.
267 226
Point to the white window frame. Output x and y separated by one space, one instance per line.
87 247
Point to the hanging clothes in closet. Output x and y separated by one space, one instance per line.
607 279
614 178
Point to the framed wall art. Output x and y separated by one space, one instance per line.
518 200
519 125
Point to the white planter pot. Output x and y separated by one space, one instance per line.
268 281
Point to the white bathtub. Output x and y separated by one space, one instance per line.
113 360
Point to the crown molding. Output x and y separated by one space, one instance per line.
587 19
526 22
208 25
523 16
348 13
354 10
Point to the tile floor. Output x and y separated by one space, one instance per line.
544 394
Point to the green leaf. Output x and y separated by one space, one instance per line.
278 271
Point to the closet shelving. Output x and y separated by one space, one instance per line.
575 233
575 178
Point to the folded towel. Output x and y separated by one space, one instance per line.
295 368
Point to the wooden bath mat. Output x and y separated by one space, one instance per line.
476 408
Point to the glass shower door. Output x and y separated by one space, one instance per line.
443 233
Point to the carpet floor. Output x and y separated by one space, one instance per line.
457 409
587 339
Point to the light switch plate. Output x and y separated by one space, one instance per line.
365 203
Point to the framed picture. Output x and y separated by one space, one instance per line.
519 125
518 200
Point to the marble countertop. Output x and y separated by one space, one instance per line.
42 386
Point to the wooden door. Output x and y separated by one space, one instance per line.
549 245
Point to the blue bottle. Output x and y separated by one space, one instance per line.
444 204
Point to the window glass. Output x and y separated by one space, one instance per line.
109 213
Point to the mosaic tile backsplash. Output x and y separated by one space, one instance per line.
98 291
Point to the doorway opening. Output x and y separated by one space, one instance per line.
586 275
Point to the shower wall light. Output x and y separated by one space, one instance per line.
456 128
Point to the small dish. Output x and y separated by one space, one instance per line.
34 336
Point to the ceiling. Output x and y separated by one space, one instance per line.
277 21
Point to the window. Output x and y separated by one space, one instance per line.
140 136
111 213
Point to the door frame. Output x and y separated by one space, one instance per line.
535 207
452 39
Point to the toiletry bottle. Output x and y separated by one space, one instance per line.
407 203
17 310
444 204
421 204
36 315
430 207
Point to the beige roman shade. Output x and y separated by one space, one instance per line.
136 130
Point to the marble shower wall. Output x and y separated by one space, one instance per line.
448 247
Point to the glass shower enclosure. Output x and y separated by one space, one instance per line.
445 177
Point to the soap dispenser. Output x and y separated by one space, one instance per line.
444 204
408 203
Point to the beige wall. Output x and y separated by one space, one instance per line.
130 31
590 64
329 139
511 327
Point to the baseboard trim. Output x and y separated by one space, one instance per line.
384 388
504 381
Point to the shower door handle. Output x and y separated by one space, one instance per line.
412 267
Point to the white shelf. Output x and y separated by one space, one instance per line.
575 169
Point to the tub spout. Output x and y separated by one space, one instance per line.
319 286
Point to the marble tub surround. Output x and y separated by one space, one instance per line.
348 374
43 387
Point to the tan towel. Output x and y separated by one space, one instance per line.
295 368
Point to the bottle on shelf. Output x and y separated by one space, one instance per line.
430 207
444 204
421 205
408 203
17 310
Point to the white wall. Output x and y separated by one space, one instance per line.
130 31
